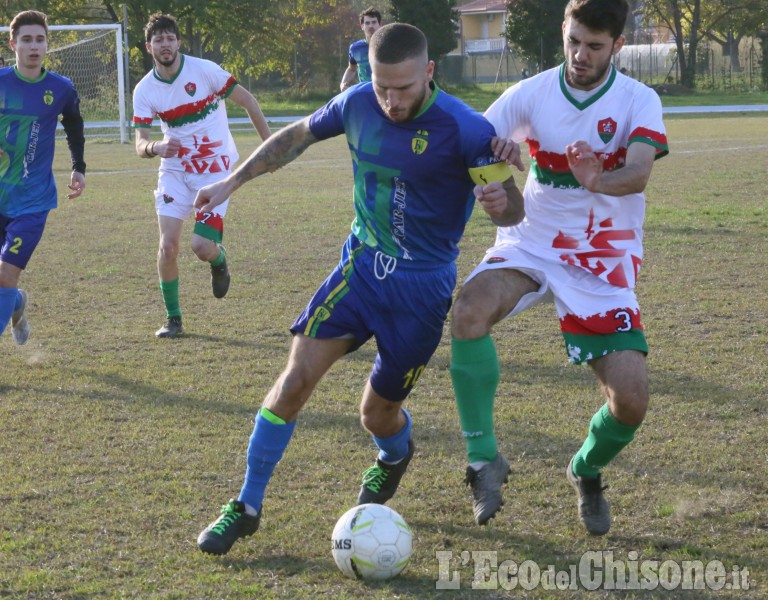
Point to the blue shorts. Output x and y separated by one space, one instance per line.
21 235
403 306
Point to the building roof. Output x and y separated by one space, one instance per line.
482 6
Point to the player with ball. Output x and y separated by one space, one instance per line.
421 158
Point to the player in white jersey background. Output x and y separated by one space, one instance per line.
593 136
187 95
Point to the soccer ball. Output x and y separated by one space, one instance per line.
371 541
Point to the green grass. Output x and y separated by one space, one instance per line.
118 448
478 96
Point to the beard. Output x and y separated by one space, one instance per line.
166 62
587 80
405 114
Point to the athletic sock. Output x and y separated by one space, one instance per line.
269 440
8 301
607 437
394 448
216 262
170 290
475 376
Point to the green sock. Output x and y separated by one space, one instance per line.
607 437
216 262
475 375
170 290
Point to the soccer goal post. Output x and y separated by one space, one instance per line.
92 57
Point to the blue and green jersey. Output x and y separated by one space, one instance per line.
358 56
29 111
413 193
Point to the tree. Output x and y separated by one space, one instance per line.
292 38
435 18
683 18
693 20
535 28
763 37
728 28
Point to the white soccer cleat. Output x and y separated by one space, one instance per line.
19 323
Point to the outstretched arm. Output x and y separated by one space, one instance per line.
280 149
245 99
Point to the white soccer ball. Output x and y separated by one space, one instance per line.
371 541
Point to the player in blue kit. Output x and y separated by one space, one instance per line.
420 158
31 100
370 21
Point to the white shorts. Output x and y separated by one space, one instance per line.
176 191
595 317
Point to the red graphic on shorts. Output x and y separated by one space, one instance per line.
203 158
620 320
211 220
600 239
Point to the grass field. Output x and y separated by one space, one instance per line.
479 97
116 448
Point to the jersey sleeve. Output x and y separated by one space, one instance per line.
328 121
72 121
647 123
508 114
222 82
482 165
143 113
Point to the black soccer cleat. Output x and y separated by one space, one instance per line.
220 278
381 480
594 511
232 524
486 488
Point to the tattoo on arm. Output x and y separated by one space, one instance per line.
279 150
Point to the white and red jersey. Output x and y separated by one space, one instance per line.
190 108
599 233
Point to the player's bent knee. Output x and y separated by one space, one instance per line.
630 409
203 247
380 424
468 320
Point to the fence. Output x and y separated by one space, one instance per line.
657 63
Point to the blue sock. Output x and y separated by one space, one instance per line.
269 440
394 448
9 298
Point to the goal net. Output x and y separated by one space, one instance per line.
92 57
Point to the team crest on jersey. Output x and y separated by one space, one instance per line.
190 88
420 141
48 97
606 129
